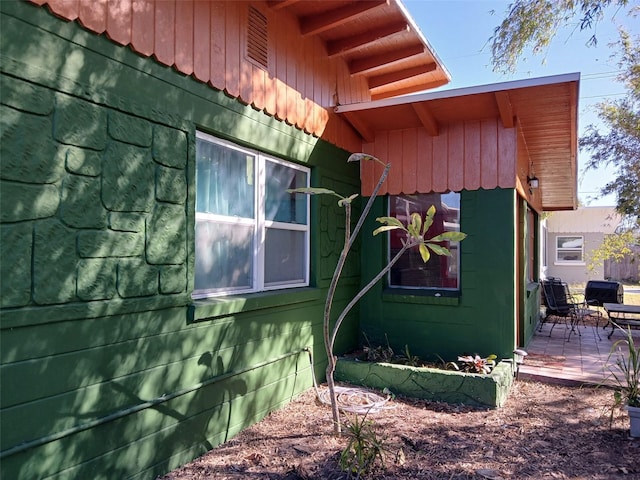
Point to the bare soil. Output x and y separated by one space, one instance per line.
544 431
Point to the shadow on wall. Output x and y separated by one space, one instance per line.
102 374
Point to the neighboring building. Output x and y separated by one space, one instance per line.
161 291
571 237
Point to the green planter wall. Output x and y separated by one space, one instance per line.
431 384
108 368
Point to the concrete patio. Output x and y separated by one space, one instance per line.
575 359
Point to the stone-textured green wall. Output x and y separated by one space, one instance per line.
482 318
108 369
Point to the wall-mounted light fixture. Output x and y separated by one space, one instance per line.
533 182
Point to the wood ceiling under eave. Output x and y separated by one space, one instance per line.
543 109
377 39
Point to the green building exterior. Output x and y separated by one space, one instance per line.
109 368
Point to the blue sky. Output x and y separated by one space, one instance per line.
459 31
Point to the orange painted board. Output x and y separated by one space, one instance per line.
184 37
93 15
489 154
281 73
165 40
119 21
424 167
142 27
232 50
201 40
381 147
396 157
440 161
300 82
258 88
217 36
472 155
409 160
367 171
455 164
65 8
291 77
507 157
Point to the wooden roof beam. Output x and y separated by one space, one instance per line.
393 77
318 23
366 64
348 44
281 4
360 126
429 122
505 109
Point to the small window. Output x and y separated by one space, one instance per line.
440 272
251 235
569 249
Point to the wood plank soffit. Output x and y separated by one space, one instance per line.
392 77
505 109
429 122
366 64
280 4
318 23
348 44
367 134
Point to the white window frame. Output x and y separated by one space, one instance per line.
580 249
260 223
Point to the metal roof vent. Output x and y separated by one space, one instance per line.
257 45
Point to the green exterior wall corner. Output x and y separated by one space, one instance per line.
482 317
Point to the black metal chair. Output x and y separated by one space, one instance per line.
562 306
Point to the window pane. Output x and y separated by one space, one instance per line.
281 206
285 256
569 249
225 180
439 271
224 256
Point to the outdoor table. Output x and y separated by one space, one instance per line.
623 315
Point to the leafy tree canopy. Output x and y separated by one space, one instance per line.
534 23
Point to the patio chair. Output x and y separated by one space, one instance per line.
562 306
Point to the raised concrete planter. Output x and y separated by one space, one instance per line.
429 383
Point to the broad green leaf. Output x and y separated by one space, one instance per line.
358 157
390 221
349 199
449 236
313 191
416 220
439 249
412 227
424 253
386 228
428 219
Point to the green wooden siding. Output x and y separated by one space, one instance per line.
108 368
479 320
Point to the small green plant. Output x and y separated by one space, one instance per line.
365 450
411 360
379 353
625 371
477 364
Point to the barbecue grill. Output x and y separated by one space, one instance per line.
598 292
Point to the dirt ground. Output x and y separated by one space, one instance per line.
543 432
